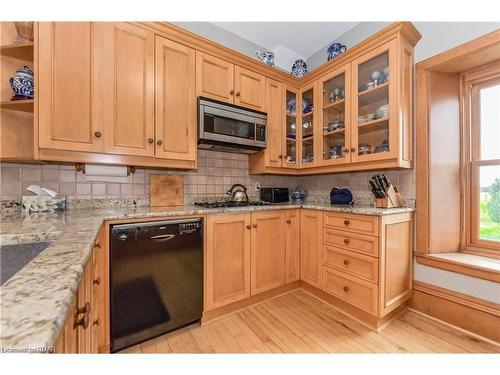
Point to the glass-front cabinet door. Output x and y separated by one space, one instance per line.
374 109
290 157
335 116
306 130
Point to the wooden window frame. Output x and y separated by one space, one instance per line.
471 83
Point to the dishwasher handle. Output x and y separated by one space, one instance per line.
162 237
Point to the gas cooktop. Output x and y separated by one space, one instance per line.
223 204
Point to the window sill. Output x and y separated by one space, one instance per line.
467 264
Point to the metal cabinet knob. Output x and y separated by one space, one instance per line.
96 322
289 221
346 289
346 150
347 222
281 156
346 241
254 225
353 149
97 281
346 262
249 227
237 93
159 142
231 92
98 134
150 140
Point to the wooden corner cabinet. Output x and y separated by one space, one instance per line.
353 113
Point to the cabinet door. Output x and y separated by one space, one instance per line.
214 78
267 251
129 90
100 296
175 120
84 306
274 104
375 105
311 230
250 89
68 88
335 116
290 133
292 246
227 273
306 133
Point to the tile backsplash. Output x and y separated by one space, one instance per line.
217 171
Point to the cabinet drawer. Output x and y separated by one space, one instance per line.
356 242
357 292
353 223
354 264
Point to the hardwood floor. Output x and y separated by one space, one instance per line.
299 323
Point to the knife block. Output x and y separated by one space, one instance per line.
391 199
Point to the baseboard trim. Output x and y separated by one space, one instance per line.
469 333
470 314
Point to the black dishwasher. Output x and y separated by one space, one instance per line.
156 272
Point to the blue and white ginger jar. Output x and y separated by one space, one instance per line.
22 84
267 57
335 49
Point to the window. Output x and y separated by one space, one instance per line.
482 155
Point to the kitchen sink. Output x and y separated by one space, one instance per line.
14 257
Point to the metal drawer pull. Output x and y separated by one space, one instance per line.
346 289
162 237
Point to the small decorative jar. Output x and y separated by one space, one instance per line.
267 57
22 84
24 32
335 49
299 68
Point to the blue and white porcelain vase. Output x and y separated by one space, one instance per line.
267 57
335 49
22 84
299 68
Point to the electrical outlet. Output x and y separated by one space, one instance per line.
257 186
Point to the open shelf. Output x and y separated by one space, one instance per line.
25 105
373 122
21 51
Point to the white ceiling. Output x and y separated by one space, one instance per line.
289 40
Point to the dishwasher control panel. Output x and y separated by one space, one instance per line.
189 227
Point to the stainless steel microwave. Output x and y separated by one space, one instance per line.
226 127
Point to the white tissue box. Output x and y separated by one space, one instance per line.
38 203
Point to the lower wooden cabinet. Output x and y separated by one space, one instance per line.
292 245
227 259
86 329
311 247
267 251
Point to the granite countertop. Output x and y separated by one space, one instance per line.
35 301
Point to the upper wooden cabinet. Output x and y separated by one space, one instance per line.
175 120
69 83
129 89
214 78
250 89
221 80
274 99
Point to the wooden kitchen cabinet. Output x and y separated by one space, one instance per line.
227 259
86 329
274 99
214 78
220 80
267 250
129 90
249 89
292 245
311 245
69 86
175 120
